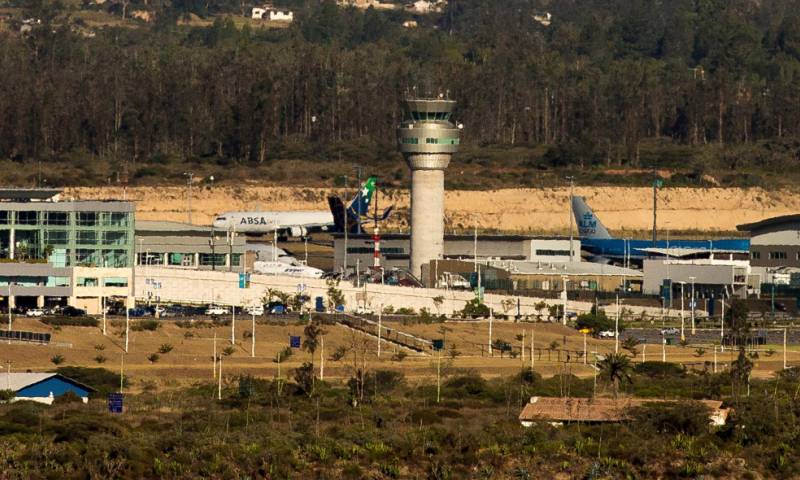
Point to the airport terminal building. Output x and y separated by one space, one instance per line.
63 252
396 249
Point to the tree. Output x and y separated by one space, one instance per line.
616 368
630 345
740 373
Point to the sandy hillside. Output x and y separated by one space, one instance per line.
520 210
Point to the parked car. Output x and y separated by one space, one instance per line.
277 308
212 310
669 331
34 312
364 311
137 312
70 311
606 334
256 310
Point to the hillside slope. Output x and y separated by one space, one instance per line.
512 210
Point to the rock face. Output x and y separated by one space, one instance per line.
511 210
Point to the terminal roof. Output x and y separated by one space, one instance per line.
28 194
768 222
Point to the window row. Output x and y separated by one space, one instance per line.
84 219
107 282
430 115
187 259
442 141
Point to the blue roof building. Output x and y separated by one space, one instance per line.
42 387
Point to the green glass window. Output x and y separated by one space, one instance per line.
28 218
86 237
56 237
236 259
87 257
115 219
87 282
115 282
115 238
56 218
88 219
5 217
209 259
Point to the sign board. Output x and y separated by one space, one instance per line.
115 402
294 341
244 280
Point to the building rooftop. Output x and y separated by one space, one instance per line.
484 237
29 194
574 409
161 226
18 381
565 268
768 222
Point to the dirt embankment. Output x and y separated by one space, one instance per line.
512 210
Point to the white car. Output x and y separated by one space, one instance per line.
256 310
606 334
217 311
34 312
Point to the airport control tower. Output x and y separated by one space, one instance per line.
427 140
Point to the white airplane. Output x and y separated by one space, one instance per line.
279 267
301 223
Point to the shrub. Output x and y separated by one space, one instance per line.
165 348
659 369
228 351
100 359
475 308
405 311
339 353
57 359
6 395
150 325
399 356
283 355
71 321
594 322
188 335
99 347
103 380
67 398
688 418
153 357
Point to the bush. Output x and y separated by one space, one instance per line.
57 359
153 357
405 311
688 418
594 322
71 321
100 359
228 351
67 398
283 355
103 380
150 325
475 308
399 356
659 369
165 348
99 347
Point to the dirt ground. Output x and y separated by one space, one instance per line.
512 210
190 359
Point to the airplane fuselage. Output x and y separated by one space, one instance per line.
267 222
618 248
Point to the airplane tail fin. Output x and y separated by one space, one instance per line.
360 204
589 226
337 209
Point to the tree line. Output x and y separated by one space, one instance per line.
601 79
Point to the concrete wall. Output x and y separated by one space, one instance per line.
656 271
203 287
427 218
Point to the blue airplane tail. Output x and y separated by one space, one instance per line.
589 226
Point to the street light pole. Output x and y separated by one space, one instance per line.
571 238
190 178
692 305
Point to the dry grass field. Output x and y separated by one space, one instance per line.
190 358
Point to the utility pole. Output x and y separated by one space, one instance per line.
219 382
693 305
190 178
322 357
358 185
683 335
253 337
214 356
233 324
570 220
616 328
127 325
655 203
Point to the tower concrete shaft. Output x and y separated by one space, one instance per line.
427 140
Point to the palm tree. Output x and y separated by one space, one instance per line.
616 368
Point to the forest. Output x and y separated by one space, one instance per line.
708 89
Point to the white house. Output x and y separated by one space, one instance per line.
42 387
267 12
